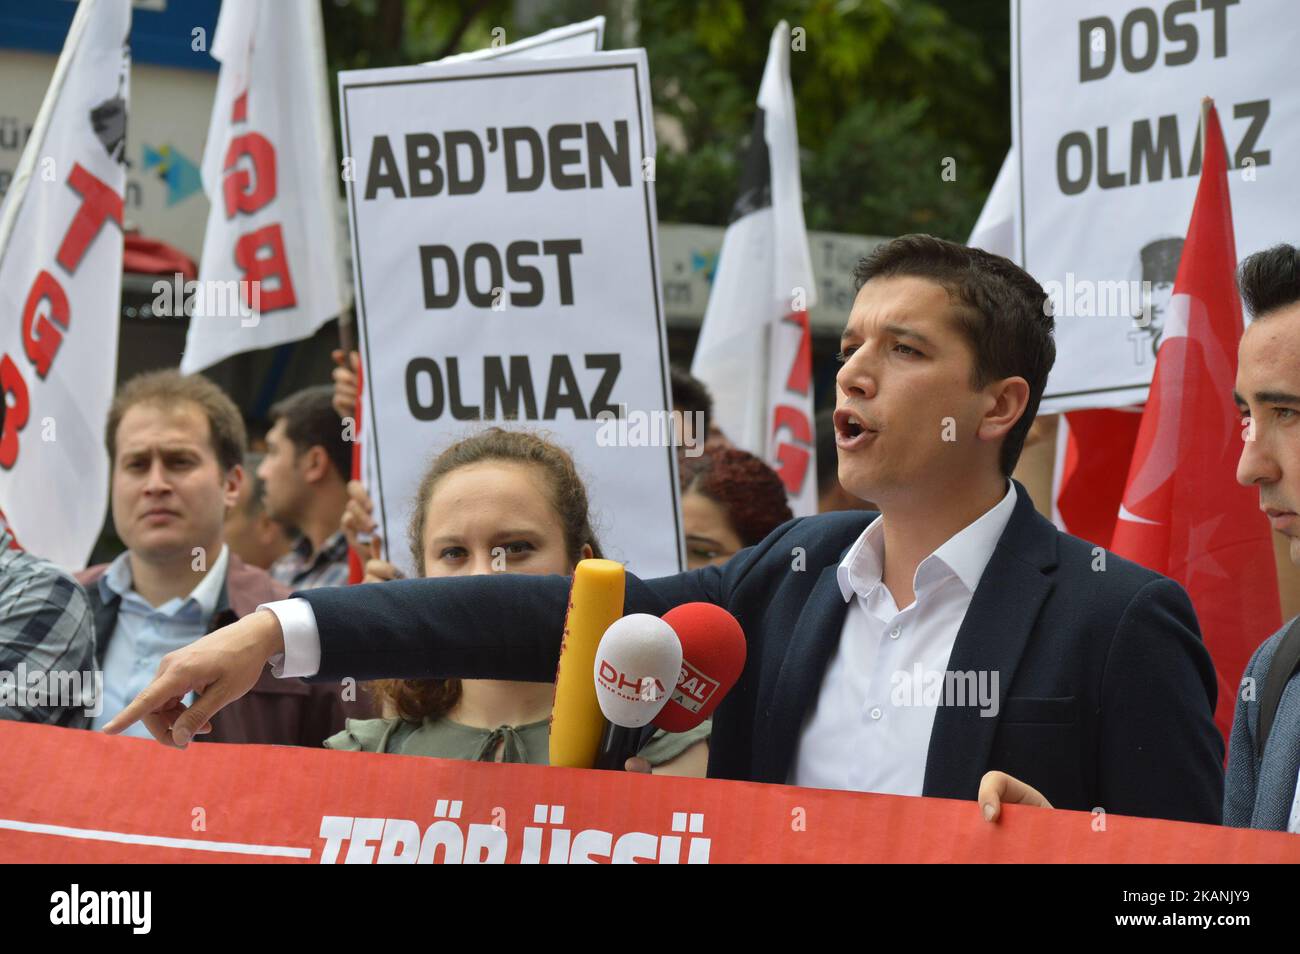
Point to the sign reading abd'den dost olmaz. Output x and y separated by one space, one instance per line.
1106 126
505 255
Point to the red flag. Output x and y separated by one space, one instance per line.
1092 468
1184 514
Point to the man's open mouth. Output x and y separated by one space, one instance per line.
851 430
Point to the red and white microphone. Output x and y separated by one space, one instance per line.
638 662
713 657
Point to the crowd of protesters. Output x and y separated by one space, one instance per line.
211 533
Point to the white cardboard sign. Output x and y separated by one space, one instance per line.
1106 110
505 254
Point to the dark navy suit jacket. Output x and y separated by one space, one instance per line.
1106 693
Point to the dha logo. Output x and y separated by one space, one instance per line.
693 688
449 841
102 907
645 688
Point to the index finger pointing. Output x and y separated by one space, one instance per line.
165 692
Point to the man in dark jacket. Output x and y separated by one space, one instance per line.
956 633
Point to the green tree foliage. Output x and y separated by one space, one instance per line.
886 91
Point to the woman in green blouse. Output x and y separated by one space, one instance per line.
500 501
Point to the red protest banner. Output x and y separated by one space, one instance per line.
69 795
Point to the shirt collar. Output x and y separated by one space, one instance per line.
117 580
335 547
964 555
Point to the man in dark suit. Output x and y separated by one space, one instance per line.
957 632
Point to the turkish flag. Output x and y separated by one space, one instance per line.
1183 513
1094 449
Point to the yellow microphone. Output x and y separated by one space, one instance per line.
595 602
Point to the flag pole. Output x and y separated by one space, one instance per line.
1207 103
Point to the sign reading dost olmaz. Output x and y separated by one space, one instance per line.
504 241
1106 124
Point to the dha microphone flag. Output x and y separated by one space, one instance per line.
757 316
638 659
1183 513
271 270
60 292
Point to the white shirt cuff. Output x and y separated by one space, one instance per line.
301 656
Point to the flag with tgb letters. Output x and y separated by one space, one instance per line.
271 267
1183 513
755 347
60 293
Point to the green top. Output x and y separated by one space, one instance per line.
442 738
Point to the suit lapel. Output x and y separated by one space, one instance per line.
992 638
1276 785
807 653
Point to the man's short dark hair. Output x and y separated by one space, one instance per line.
1270 279
311 421
169 388
1003 312
691 395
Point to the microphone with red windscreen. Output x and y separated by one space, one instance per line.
713 656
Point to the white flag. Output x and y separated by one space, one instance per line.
60 293
755 349
270 270
585 36
995 229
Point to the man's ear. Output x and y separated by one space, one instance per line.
1010 398
315 464
230 486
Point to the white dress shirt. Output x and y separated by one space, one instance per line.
1293 825
144 634
869 730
